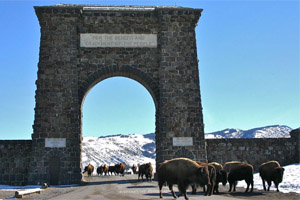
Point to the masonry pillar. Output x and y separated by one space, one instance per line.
56 129
181 131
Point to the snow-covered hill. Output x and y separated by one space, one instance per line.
138 149
275 131
129 149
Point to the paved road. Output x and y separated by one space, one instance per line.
127 188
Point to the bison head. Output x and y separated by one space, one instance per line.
223 176
203 176
279 174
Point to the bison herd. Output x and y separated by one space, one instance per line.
119 169
185 172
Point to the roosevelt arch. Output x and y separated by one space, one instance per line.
81 45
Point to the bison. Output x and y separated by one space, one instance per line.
183 172
221 175
238 171
120 168
105 169
134 168
111 169
147 170
100 170
212 178
271 171
89 169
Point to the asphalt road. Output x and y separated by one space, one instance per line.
127 188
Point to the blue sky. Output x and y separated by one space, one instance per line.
248 55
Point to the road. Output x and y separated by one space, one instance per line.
127 188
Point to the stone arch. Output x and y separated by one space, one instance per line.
81 46
124 71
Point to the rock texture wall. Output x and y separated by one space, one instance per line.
253 150
15 157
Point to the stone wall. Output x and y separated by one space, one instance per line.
15 156
253 150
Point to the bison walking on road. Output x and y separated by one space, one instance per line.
238 171
89 169
147 170
212 177
134 168
221 175
183 172
271 171
120 169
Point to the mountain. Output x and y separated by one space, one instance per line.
137 149
129 149
275 131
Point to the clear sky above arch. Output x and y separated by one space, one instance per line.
248 55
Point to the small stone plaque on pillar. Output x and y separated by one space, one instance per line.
182 141
55 142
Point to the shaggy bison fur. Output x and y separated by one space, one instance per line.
221 175
238 171
183 172
120 168
271 171
89 169
212 177
134 168
147 170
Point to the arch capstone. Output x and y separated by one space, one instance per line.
81 45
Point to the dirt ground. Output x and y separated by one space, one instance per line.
116 187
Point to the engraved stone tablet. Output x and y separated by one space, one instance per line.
182 141
55 142
93 40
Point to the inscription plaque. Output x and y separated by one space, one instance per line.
182 141
93 40
55 142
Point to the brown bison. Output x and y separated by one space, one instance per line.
105 169
89 169
212 177
134 168
271 171
111 169
147 170
221 175
238 171
183 172
120 168
100 170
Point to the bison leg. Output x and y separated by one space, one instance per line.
269 184
264 184
230 186
276 184
235 183
216 188
194 189
182 189
160 185
211 189
248 184
172 191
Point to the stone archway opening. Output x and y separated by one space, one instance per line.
118 109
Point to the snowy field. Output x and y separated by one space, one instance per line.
290 183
